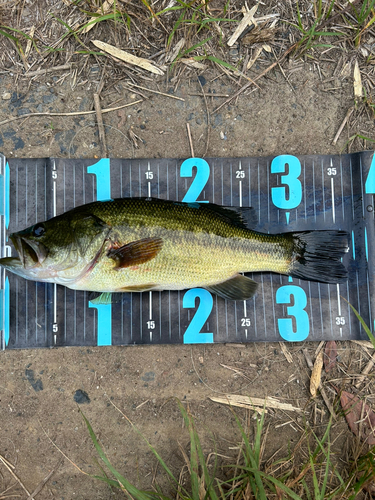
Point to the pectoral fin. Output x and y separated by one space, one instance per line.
237 288
136 252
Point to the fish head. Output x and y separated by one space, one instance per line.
61 247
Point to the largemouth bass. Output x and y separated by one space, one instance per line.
141 244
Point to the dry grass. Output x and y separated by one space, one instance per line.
184 39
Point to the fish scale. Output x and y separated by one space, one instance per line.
336 193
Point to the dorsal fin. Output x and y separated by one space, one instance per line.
244 217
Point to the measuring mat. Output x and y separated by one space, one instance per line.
288 193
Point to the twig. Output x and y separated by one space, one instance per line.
283 73
74 113
286 352
365 344
190 141
16 478
62 453
365 371
208 119
321 388
99 117
156 92
247 85
44 481
47 70
347 116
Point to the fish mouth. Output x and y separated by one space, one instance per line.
31 253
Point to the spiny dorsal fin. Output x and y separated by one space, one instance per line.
244 217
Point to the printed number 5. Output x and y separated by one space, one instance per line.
283 296
192 334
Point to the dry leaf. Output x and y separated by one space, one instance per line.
360 417
104 9
330 355
128 58
174 53
192 63
316 374
250 402
258 35
357 81
247 20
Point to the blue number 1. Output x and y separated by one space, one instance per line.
101 170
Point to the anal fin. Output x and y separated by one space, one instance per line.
237 288
144 287
105 298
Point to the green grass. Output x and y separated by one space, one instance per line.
311 35
364 16
317 479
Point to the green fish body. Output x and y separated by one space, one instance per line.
139 244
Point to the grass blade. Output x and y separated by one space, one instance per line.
359 317
132 490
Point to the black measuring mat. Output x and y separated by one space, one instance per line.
288 193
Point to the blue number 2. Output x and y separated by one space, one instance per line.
192 334
283 296
101 170
200 179
279 194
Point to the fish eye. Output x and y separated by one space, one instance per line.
38 230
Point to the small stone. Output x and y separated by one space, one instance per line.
47 99
81 397
202 80
6 96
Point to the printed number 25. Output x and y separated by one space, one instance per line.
193 333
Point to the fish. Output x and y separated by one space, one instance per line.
143 244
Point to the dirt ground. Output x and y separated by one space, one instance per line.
38 388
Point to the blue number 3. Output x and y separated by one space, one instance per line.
278 194
283 296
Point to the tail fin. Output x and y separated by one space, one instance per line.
317 254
